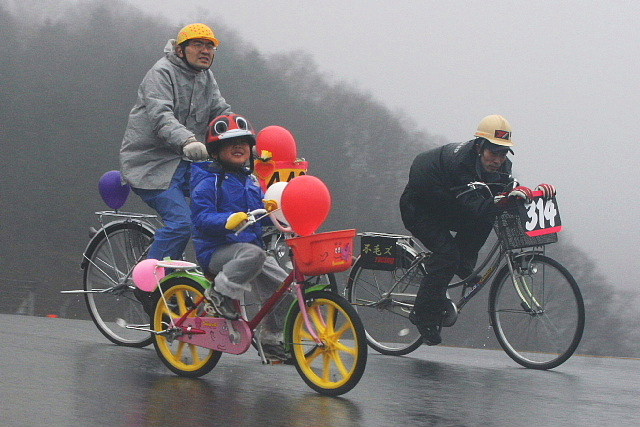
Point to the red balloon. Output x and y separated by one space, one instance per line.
306 203
279 141
264 170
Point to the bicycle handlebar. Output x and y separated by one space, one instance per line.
251 219
477 185
257 215
473 186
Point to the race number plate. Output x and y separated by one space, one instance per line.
378 253
540 217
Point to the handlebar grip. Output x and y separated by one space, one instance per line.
250 218
235 220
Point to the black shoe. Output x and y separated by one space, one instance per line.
430 330
430 333
222 304
275 352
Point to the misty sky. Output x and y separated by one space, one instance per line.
564 73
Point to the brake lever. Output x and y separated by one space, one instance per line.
252 219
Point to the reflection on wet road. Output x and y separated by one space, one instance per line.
63 372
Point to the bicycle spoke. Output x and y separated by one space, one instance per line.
340 365
109 260
538 321
383 300
335 366
181 357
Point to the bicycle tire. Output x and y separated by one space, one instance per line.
337 366
542 328
109 260
385 319
184 359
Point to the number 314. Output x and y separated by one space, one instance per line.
542 214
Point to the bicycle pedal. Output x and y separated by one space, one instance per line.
210 309
234 335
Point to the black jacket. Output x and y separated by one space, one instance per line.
439 175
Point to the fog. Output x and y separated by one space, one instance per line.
362 104
564 73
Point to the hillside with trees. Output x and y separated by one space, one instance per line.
69 82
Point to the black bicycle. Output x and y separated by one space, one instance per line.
535 305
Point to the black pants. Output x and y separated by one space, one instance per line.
451 255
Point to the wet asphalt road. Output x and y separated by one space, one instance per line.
61 372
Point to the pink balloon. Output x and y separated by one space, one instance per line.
279 141
306 203
147 274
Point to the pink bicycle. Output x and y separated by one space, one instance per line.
323 332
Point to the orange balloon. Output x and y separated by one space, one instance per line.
279 141
306 203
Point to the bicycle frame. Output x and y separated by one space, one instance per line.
469 290
295 280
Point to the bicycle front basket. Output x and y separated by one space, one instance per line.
323 253
511 233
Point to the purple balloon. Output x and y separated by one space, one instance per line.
113 192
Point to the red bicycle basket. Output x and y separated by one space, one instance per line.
323 253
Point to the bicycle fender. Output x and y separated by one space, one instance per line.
99 235
504 270
528 253
194 275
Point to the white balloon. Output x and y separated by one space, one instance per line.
274 192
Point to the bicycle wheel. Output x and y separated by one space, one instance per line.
109 260
182 358
538 317
385 314
335 367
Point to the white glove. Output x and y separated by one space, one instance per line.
195 151
548 190
236 220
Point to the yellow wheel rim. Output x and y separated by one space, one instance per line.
183 356
333 364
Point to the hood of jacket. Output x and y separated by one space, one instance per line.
172 56
202 170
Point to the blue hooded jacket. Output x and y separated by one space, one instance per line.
216 194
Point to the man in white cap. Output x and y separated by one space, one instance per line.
437 201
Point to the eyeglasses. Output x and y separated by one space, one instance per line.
200 45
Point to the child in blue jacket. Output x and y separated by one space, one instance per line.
221 191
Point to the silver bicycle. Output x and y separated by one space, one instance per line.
122 240
535 305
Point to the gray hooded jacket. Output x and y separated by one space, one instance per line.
174 104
